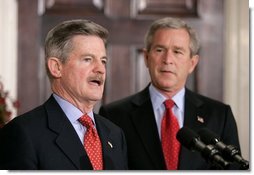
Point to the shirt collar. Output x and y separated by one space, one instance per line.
71 111
157 98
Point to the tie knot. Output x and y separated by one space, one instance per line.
86 121
169 104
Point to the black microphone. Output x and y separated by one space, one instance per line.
191 141
229 152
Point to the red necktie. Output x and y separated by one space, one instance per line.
170 145
92 143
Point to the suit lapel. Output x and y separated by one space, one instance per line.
193 116
193 119
145 124
67 139
106 142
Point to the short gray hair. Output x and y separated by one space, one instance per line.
58 40
172 23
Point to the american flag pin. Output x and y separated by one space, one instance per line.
110 144
200 119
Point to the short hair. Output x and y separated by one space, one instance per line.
172 23
58 40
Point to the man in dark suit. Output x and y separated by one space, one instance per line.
53 136
171 54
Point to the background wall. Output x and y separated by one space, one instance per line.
237 68
8 46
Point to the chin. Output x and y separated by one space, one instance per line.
96 98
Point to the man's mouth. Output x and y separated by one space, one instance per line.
167 71
98 80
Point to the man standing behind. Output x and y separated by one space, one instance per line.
64 133
171 54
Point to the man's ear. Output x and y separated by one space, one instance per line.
194 62
55 67
145 53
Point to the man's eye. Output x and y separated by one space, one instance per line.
87 59
178 52
159 50
104 61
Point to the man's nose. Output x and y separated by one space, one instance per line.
168 57
100 67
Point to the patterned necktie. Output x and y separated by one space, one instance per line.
92 143
170 145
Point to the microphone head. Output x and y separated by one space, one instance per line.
186 137
207 136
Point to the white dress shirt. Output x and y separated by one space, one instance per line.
159 109
73 114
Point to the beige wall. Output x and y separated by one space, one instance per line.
8 46
236 69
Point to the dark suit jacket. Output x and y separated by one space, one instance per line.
45 139
135 116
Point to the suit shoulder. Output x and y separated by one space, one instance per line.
121 104
129 102
204 99
29 119
38 114
123 101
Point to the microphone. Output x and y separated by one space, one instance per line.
229 152
191 141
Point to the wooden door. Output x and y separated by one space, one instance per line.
127 21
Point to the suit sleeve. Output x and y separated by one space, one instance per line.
16 151
230 135
230 132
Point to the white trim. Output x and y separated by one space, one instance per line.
8 46
236 67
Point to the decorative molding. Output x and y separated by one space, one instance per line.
159 8
73 7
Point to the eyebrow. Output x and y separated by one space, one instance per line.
92 55
104 57
158 45
179 48
174 47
